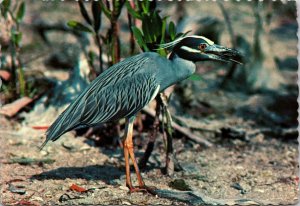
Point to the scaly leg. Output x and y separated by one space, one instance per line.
128 151
126 155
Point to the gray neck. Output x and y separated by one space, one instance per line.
178 70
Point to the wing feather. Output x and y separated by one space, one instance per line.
120 91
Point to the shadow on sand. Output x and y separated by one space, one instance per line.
92 172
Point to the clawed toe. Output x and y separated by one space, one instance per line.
144 189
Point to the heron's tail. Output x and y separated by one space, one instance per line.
53 133
44 144
59 127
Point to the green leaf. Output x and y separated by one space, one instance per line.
21 12
4 7
172 30
157 23
138 35
106 11
145 6
162 52
195 77
96 9
92 56
22 82
16 37
6 4
84 12
132 11
78 26
148 32
139 38
163 30
117 7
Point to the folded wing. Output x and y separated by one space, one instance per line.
114 101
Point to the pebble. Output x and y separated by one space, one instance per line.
48 194
260 190
124 188
85 147
126 203
36 198
44 153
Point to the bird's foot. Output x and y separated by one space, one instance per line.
144 189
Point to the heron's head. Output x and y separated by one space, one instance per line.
198 48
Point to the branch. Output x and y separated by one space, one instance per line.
185 131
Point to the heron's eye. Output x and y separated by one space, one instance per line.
202 47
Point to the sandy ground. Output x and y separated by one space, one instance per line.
263 169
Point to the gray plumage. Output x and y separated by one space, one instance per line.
125 88
120 91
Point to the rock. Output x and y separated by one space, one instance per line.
180 184
17 189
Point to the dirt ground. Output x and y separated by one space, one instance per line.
265 170
257 168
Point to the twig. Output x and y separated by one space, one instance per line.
280 132
153 135
191 136
170 157
184 131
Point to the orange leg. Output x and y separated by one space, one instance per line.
128 151
126 155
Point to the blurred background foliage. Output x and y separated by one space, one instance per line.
15 12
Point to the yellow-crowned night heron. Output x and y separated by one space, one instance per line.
125 88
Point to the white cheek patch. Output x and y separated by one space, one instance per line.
191 50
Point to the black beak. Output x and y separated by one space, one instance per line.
220 53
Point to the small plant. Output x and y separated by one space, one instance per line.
112 12
15 15
153 31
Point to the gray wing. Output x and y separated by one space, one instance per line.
123 99
114 101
